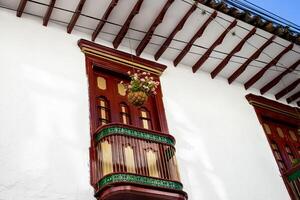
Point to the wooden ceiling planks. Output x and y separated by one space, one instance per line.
224 62
293 97
48 13
179 26
273 62
254 56
118 39
194 38
152 28
288 89
75 16
276 80
104 18
206 55
21 7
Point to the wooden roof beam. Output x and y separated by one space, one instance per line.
254 56
224 62
293 97
276 80
48 13
75 16
273 62
21 7
118 39
206 55
179 26
104 18
194 38
287 89
152 28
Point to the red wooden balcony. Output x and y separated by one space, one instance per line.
292 181
133 163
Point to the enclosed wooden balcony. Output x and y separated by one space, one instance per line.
134 163
292 181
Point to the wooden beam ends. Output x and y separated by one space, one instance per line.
194 38
118 39
254 56
21 7
175 31
293 97
152 28
75 16
48 13
206 55
276 80
257 76
287 89
104 18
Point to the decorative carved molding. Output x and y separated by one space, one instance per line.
121 129
120 58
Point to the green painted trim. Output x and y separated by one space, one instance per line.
134 133
294 176
131 178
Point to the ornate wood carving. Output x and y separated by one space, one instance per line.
293 97
287 89
276 80
200 62
257 76
48 13
179 26
194 38
152 28
21 7
105 16
242 68
224 62
75 16
126 25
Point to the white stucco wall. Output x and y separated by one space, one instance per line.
44 124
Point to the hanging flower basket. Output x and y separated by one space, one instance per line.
140 87
137 98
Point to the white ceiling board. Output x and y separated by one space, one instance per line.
95 8
149 11
61 15
35 9
283 83
172 17
67 4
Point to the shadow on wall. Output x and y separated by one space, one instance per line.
48 137
198 173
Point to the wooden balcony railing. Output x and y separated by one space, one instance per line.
128 155
292 181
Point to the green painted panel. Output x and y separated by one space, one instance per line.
134 133
130 178
294 176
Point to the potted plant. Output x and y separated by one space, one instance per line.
140 87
